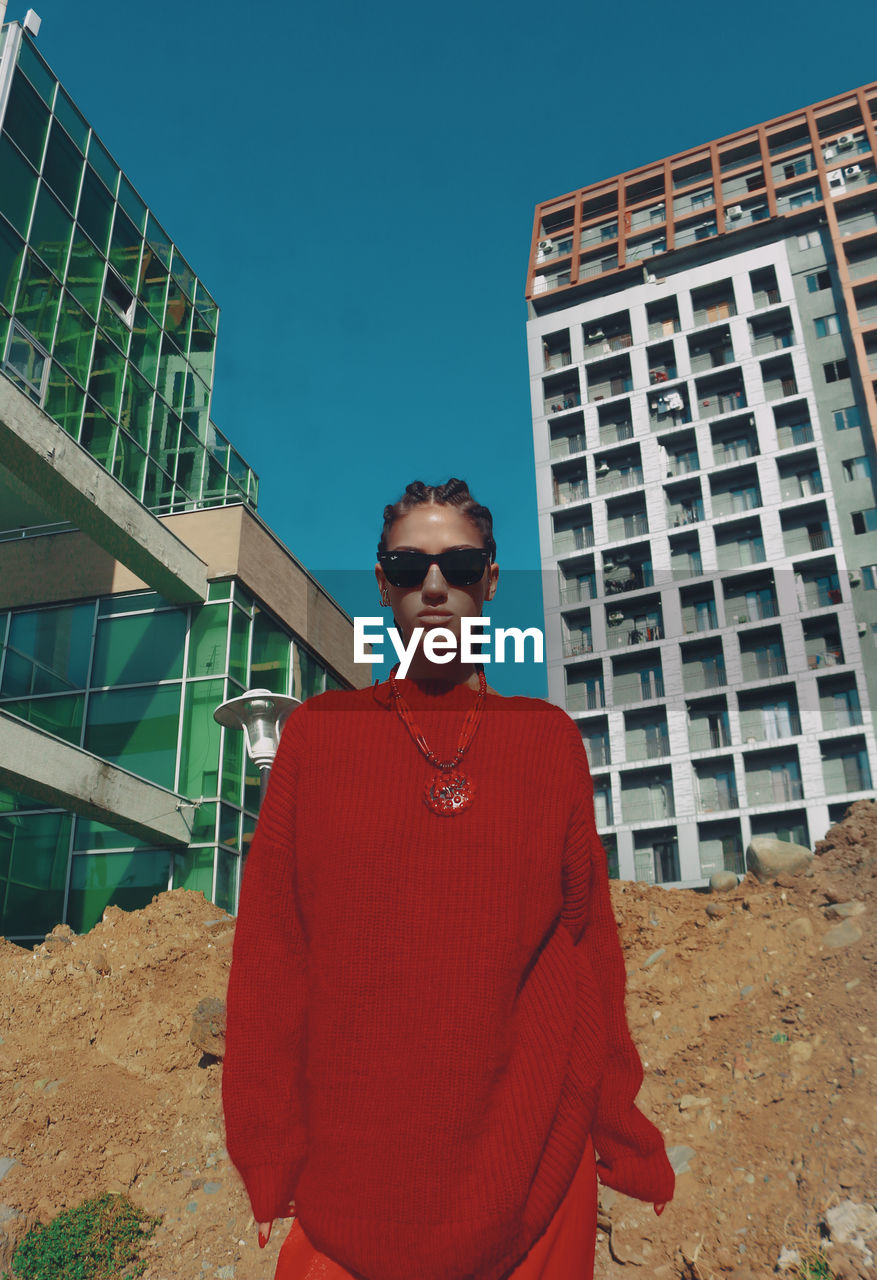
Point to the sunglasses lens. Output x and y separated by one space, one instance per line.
459 568
405 568
462 568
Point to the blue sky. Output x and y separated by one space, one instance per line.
355 185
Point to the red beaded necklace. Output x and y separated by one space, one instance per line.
448 791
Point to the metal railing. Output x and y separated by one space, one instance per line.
577 593
573 540
697 678
575 648
762 666
562 446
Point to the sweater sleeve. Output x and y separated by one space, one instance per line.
630 1149
266 1009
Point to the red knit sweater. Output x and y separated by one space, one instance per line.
425 1012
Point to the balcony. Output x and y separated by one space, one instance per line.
551 250
617 476
738 546
576 646
578 592
713 303
792 434
644 801
616 432
706 738
685 513
567 541
632 525
763 666
573 488
779 378
698 612
556 352
564 445
720 394
670 406
622 635
645 736
584 697
729 501
711 351
560 403
638 686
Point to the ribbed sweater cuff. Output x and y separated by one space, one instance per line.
268 1189
649 1178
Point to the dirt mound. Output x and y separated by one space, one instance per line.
755 1021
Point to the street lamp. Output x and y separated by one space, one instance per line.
261 714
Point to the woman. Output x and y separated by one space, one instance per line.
426 1030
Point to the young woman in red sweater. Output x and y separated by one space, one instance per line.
426 1037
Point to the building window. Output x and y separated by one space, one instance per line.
857 468
826 325
846 418
869 577
801 198
810 240
794 167
818 280
836 369
864 521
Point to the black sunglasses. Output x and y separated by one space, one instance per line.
460 568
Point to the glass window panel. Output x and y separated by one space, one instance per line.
49 650
71 120
125 249
17 185
194 870
11 253
205 304
153 283
183 274
133 602
36 71
107 376
61 716
129 464
25 363
178 315
215 480
74 339
204 823
139 647
114 326
240 643
145 344
219 590
307 674
64 400
226 874
158 488
98 433
132 204
34 850
26 120
136 729
103 164
137 407
159 240
38 300
190 462
51 231
232 768
229 827
203 340
126 880
199 749
207 640
85 274
95 209
88 834
62 168
269 668
172 372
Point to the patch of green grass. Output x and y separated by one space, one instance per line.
98 1240
814 1266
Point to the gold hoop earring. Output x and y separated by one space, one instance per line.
385 599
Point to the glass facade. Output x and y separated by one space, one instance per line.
135 680
102 321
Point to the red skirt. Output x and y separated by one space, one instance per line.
564 1251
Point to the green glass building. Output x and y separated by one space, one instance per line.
138 586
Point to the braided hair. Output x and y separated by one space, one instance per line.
455 493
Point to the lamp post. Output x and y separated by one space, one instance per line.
261 714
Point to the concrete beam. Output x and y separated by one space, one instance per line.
54 772
76 487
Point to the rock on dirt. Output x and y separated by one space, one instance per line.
758 1037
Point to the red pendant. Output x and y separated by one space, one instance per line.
448 793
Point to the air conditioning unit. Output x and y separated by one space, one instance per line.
603 469
546 245
735 211
862 628
852 170
829 153
855 578
596 335
836 178
845 141
615 618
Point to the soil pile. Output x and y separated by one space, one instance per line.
755 1019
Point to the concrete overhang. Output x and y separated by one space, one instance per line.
41 456
53 772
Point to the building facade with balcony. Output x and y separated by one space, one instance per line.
702 341
138 586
